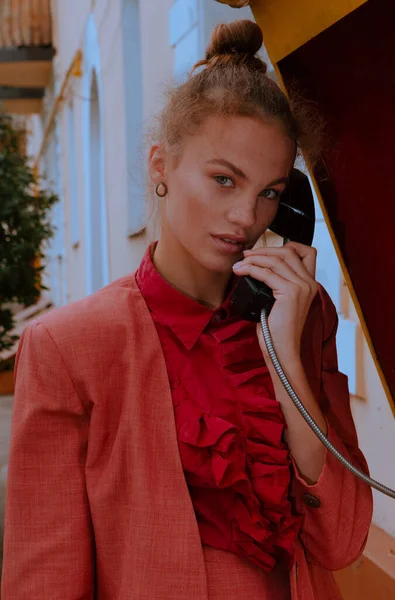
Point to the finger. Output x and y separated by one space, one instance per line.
287 256
305 255
258 267
277 284
280 266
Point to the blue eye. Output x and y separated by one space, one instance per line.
271 194
224 181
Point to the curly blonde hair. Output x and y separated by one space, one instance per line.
233 80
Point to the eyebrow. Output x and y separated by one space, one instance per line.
239 172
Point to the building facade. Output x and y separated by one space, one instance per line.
114 59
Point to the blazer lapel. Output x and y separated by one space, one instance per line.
166 526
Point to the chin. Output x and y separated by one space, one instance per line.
209 258
216 263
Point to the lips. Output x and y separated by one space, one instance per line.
228 244
231 238
231 241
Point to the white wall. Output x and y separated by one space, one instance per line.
190 25
129 73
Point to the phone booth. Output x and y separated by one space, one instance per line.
340 54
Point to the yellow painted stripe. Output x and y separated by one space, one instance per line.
288 24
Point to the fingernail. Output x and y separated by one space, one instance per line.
237 265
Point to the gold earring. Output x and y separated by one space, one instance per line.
161 190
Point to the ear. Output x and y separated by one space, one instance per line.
157 165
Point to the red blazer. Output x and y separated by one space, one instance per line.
97 505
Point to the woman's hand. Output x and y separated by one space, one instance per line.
290 272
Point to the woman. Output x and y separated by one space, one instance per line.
155 454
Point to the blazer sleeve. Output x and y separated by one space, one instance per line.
48 542
337 520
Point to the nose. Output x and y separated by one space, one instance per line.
243 212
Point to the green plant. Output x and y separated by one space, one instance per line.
24 226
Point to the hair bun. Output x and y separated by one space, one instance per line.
243 38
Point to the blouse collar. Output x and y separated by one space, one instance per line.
186 317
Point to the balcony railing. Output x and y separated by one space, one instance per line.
26 52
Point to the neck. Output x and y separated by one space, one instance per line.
183 272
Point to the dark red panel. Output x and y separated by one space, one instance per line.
349 70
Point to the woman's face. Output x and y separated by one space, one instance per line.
224 188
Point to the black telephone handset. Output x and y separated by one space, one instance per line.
295 220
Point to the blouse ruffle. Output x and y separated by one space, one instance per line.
238 469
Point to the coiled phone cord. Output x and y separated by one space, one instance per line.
307 417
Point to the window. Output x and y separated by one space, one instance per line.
134 116
73 186
97 263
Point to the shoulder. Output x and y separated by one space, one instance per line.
109 303
328 312
94 339
322 320
96 319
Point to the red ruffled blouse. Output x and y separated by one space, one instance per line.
229 425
